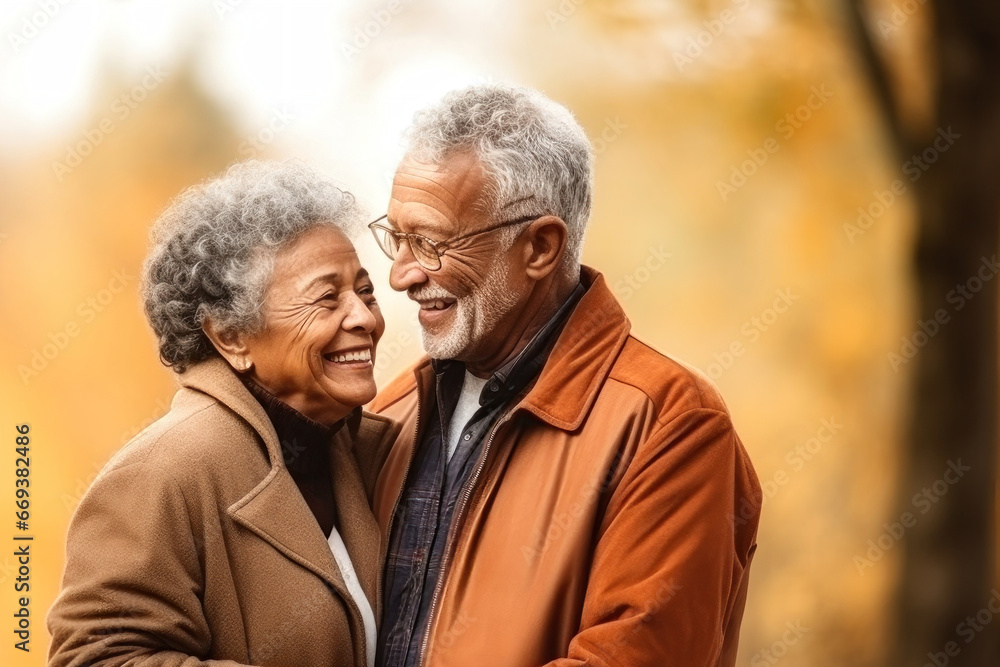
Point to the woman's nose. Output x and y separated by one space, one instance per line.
360 316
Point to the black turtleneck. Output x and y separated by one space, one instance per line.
305 448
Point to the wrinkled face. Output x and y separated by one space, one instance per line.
317 349
464 305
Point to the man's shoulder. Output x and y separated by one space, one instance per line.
404 384
670 384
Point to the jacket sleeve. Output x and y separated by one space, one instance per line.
133 582
668 581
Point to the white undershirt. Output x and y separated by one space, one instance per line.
468 403
343 559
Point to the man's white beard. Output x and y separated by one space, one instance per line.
475 317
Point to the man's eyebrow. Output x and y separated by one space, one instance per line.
362 273
421 227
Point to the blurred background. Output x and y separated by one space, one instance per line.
799 197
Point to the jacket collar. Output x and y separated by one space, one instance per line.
576 368
275 509
582 357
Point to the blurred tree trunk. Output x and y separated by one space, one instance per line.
949 565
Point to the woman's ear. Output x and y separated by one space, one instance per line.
232 346
546 246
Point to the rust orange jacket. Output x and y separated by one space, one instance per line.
608 521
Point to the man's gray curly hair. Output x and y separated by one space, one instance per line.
536 156
212 250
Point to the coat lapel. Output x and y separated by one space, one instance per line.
275 509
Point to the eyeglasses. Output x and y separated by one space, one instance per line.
427 252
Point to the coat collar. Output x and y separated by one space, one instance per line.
576 368
582 357
275 509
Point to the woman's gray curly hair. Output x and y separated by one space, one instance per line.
212 250
536 155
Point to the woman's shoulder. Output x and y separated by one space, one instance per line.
198 436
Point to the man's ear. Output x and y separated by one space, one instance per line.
232 346
545 247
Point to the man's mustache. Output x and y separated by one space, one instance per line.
429 293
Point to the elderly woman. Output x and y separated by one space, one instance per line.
236 530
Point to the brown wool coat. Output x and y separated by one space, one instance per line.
195 547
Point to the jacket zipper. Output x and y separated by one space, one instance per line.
455 522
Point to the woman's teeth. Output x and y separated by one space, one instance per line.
357 355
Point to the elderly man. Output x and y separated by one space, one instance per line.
560 493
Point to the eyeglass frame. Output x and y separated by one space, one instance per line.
439 247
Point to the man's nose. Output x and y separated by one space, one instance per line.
406 271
